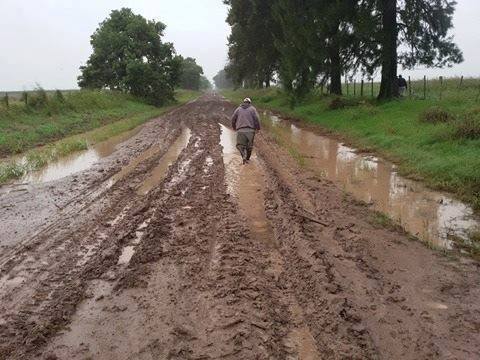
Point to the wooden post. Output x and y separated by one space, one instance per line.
372 88
461 82
361 89
346 83
441 86
6 100
354 87
409 87
424 87
321 89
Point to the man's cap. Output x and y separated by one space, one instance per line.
247 100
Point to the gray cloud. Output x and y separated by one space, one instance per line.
46 41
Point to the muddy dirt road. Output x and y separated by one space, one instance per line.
169 249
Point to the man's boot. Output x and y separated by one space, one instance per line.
249 153
243 153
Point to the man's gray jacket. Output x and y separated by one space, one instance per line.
245 116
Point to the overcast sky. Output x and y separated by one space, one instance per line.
45 41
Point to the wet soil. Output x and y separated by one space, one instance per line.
199 257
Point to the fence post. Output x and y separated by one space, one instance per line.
321 89
409 87
354 87
461 82
6 100
424 87
441 86
25 98
346 83
361 89
372 88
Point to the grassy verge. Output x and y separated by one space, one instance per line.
109 114
437 141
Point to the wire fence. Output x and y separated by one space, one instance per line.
8 98
422 89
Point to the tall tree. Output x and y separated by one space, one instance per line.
253 57
316 39
299 55
129 55
190 74
420 29
388 41
335 23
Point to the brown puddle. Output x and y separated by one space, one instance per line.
231 159
430 215
160 171
77 161
246 183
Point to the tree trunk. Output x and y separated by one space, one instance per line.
335 74
389 84
268 76
335 64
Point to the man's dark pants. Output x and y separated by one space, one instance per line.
245 140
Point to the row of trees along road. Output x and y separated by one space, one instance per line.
130 56
222 81
305 43
191 75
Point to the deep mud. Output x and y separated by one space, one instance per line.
207 259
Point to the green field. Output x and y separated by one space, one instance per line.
437 141
52 125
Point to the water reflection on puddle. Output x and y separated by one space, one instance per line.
77 161
160 171
231 159
429 215
127 254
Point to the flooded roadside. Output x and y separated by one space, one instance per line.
77 161
430 215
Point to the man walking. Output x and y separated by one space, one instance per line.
246 122
402 85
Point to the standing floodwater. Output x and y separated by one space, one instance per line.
430 215
77 161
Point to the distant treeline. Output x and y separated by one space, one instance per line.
130 56
306 44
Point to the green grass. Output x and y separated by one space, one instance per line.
24 127
436 153
107 113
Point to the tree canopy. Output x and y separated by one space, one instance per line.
205 84
190 74
129 56
306 43
253 56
